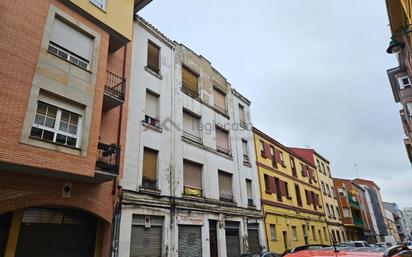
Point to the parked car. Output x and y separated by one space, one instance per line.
264 254
409 245
354 244
394 251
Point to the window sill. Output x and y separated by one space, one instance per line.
151 127
223 113
149 191
247 164
152 72
69 62
202 146
54 143
191 94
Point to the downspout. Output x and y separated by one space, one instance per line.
172 167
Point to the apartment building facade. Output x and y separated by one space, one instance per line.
399 220
291 198
327 187
190 187
354 210
64 66
400 17
407 213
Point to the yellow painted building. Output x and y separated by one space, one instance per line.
290 196
329 198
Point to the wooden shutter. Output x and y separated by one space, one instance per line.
308 197
267 150
225 186
272 185
249 189
277 156
242 113
219 100
149 164
190 81
191 126
283 188
314 199
152 105
298 196
222 139
153 57
192 175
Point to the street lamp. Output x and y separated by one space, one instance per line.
395 47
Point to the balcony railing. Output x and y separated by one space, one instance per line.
352 202
108 158
115 85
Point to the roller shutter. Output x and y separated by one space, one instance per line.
225 186
146 241
190 81
190 241
232 239
253 238
213 238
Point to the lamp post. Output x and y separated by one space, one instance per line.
395 47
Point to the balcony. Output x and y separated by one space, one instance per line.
352 202
114 91
107 162
357 221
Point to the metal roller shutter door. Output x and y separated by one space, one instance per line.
232 239
190 241
253 240
213 239
146 242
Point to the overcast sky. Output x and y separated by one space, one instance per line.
315 72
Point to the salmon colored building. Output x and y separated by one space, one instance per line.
63 92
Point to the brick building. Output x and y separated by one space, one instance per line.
63 91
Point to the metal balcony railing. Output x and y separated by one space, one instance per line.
108 158
115 85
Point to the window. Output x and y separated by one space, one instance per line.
303 170
192 178
404 82
272 156
225 186
318 165
190 81
70 44
278 189
153 57
333 192
262 148
222 141
337 212
245 151
328 190
191 127
323 187
56 125
294 234
273 232
313 233
409 109
287 190
267 183
328 209
149 168
219 98
342 191
249 192
346 212
333 212
281 158
324 233
327 171
323 168
298 196
152 109
242 116
99 3
292 165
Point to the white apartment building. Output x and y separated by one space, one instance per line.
190 185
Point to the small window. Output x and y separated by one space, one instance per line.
267 184
342 191
313 233
249 192
404 82
225 186
153 57
293 167
242 116
272 156
190 81
245 151
262 147
56 125
318 165
192 178
152 109
346 212
294 233
219 99
281 158
298 196
273 232
222 141
70 44
149 168
99 3
191 127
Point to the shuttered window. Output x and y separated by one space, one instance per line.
146 239
153 56
245 151
190 81
253 237
225 186
298 196
294 233
249 192
152 108
69 43
149 168
191 127
308 195
222 141
192 178
190 241
278 189
242 116
219 100
232 239
272 231
213 238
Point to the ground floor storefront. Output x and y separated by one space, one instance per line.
286 228
336 232
354 233
42 216
157 230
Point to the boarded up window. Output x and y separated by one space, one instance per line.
191 127
245 151
308 195
219 100
190 81
222 140
152 105
278 189
153 56
225 186
149 168
192 178
298 196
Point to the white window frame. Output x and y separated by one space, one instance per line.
99 3
401 84
57 50
56 130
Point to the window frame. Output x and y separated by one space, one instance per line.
401 84
101 6
148 65
187 89
201 166
55 129
217 107
272 229
219 148
246 159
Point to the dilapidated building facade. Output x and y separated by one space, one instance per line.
190 186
